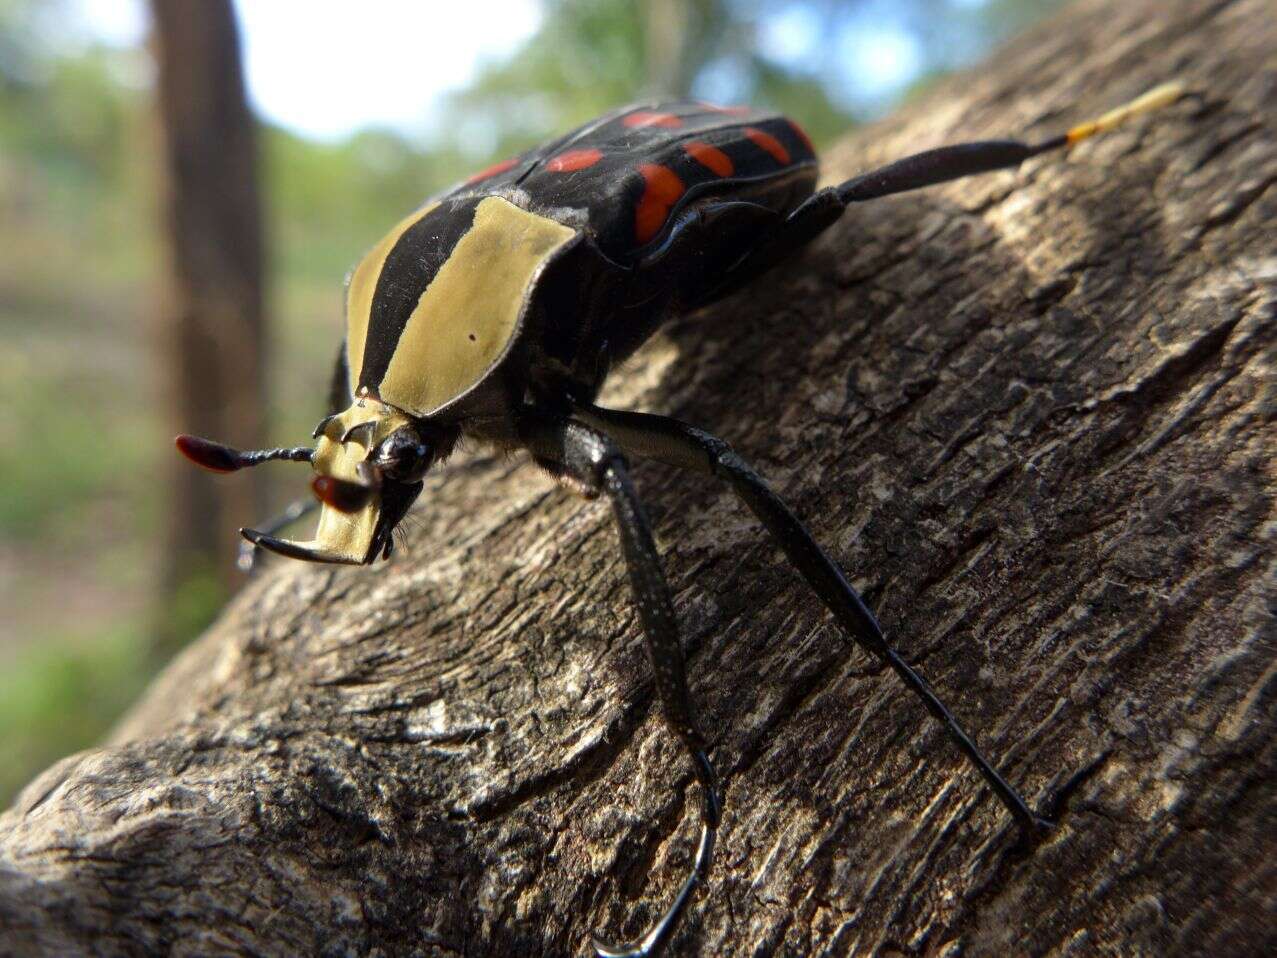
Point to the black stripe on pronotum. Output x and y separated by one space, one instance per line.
496 310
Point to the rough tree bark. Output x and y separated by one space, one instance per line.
213 327
1031 412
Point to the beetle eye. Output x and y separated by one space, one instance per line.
404 456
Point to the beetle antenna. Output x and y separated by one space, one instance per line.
219 458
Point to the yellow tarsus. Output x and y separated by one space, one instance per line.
1154 99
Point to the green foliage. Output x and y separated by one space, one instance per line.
51 487
328 202
60 696
187 610
592 55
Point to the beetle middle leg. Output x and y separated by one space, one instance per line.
679 444
592 461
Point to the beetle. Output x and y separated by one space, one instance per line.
497 309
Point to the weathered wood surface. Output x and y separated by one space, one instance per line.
1033 413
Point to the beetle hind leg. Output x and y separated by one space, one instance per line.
928 168
679 444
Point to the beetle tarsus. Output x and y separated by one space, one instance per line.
1037 829
651 942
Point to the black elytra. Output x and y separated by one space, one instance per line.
496 310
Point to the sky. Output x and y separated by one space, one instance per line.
319 71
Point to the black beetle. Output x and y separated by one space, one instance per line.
496 310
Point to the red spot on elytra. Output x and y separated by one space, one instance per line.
641 118
574 160
661 191
769 143
802 135
492 170
712 158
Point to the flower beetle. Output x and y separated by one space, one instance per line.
496 310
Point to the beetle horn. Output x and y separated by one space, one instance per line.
219 458
348 523
309 551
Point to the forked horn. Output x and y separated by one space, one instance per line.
310 551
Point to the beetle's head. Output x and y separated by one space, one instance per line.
370 461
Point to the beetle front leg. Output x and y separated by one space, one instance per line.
339 394
250 552
679 444
593 462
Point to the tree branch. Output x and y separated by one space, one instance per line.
1030 413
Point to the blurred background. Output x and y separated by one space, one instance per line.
183 186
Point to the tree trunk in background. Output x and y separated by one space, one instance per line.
214 316
664 40
1031 412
